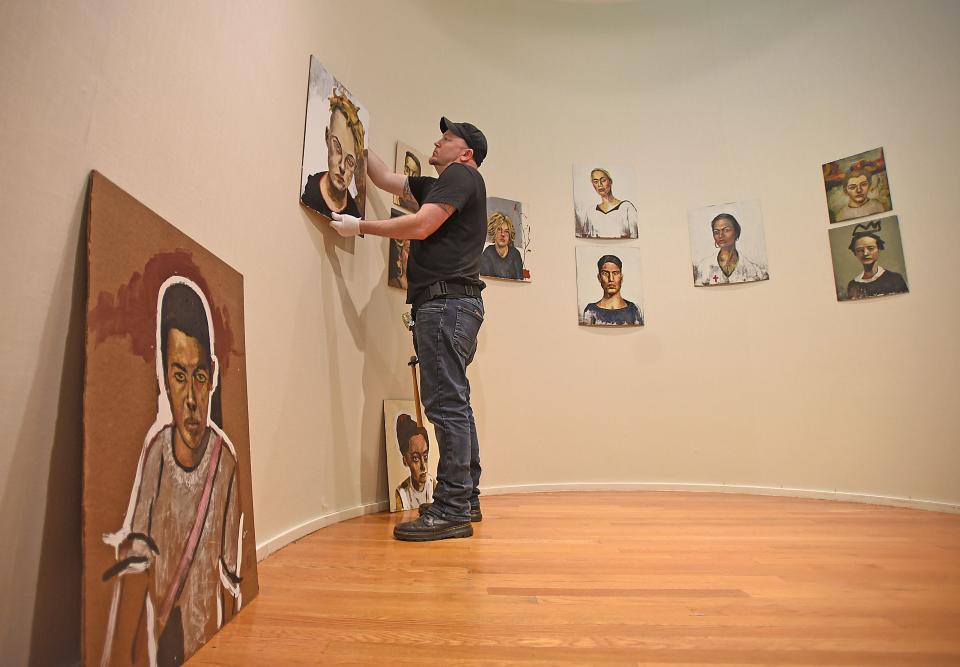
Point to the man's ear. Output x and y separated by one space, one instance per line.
467 155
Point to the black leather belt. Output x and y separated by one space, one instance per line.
443 288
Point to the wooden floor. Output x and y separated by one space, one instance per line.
615 578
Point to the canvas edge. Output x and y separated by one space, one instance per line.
303 144
92 178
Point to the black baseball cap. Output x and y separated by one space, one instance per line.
469 133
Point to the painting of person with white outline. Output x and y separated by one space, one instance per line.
184 524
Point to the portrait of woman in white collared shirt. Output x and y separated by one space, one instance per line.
727 244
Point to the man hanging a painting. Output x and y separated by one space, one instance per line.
447 234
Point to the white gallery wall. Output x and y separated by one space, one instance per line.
197 110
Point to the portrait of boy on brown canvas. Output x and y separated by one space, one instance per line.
184 524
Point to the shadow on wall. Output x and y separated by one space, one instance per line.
338 304
58 608
54 629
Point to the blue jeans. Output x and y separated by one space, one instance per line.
445 339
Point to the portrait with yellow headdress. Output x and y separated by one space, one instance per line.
333 173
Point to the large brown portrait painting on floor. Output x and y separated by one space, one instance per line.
169 553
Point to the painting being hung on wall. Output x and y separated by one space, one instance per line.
411 456
857 186
169 553
411 162
507 251
605 201
727 244
868 259
334 171
609 291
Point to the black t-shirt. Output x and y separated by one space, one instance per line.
311 197
452 252
890 282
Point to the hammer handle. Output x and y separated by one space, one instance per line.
416 395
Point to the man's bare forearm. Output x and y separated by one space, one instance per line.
382 176
415 226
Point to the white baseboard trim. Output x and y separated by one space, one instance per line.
843 496
277 542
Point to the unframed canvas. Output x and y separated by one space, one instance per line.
334 167
717 229
605 275
605 200
507 251
169 552
857 186
399 418
874 247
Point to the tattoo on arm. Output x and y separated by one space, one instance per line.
406 189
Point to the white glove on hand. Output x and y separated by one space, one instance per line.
345 225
